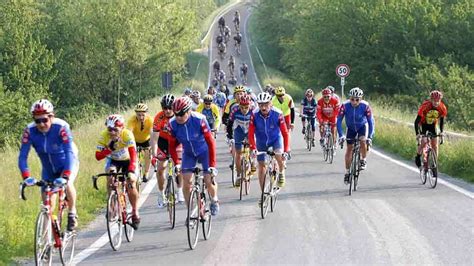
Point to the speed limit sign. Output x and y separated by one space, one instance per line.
343 70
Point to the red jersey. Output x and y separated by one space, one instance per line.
430 114
161 125
328 111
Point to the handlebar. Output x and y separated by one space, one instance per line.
40 183
95 177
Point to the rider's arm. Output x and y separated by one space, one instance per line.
217 119
230 125
417 124
370 121
441 124
211 143
284 132
251 134
340 117
24 151
292 110
173 144
132 151
102 149
319 113
153 141
66 138
225 116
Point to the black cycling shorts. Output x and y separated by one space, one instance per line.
121 166
144 145
428 127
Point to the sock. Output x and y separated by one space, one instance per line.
347 171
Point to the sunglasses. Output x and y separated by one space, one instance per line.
355 99
43 120
167 108
180 114
326 97
207 103
112 129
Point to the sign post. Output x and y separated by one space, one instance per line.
342 71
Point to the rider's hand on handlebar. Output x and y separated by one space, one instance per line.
441 137
59 182
341 141
30 181
177 168
213 171
369 142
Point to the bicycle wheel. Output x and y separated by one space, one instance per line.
129 231
357 171
43 239
68 247
114 221
433 168
330 149
207 219
423 175
233 172
247 182
265 197
243 175
171 201
192 221
274 196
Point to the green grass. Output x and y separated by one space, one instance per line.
198 74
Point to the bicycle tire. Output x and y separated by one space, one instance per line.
171 201
357 172
207 219
331 149
114 224
423 175
243 175
68 247
192 221
43 239
274 197
129 231
433 167
264 199
247 184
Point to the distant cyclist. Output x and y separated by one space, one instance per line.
236 20
239 91
187 92
227 33
430 112
333 93
221 77
284 102
244 68
238 41
196 99
327 111
308 106
51 138
219 39
220 99
210 111
221 23
222 49
216 66
231 65
358 115
232 81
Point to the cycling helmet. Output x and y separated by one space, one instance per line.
114 121
248 90
167 101
239 89
356 92
326 92
309 92
188 91
196 93
331 88
182 105
245 100
280 91
208 98
436 95
41 107
264 97
141 107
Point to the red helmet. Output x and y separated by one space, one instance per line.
436 95
41 107
327 92
245 100
182 105
114 121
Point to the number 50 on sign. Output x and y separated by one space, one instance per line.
343 70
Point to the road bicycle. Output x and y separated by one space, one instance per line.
328 145
119 209
429 167
270 188
198 210
245 166
243 77
233 170
354 170
222 51
49 232
308 134
141 167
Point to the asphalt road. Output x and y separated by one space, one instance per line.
391 219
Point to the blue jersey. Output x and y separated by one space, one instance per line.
55 149
356 117
309 107
267 129
220 99
239 121
191 133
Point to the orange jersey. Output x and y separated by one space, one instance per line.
430 114
161 125
327 111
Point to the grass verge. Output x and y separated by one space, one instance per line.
198 73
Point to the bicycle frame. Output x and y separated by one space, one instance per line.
429 167
270 189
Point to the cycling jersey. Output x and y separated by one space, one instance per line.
267 130
197 141
309 107
55 148
430 114
227 109
121 151
220 99
327 112
244 69
238 38
211 114
195 105
356 117
141 131
160 124
285 106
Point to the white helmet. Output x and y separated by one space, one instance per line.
114 121
196 94
356 92
264 97
42 106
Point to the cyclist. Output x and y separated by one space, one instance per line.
308 105
196 97
267 126
284 102
220 99
333 93
210 111
160 147
429 113
225 90
327 111
219 39
237 40
243 72
358 115
117 144
221 76
227 34
222 49
216 66
232 81
141 124
187 92
221 23
191 129
268 88
252 95
237 129
236 19
51 138
239 91
231 65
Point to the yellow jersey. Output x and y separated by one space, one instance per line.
141 131
212 115
125 141
284 106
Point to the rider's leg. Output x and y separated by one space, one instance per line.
303 121
348 156
147 155
187 184
363 147
161 175
238 156
434 145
